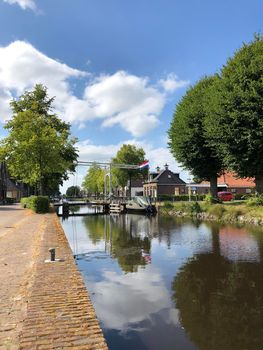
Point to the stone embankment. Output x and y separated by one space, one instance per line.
43 305
233 219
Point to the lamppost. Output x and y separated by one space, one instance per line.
189 189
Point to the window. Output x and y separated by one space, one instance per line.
248 190
233 190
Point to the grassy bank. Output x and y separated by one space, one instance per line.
236 211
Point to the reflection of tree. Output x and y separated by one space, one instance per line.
74 208
121 234
221 302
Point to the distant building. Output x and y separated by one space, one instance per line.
163 182
10 188
226 182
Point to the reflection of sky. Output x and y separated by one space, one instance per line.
136 306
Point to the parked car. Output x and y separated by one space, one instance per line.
225 196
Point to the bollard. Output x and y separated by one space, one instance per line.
52 254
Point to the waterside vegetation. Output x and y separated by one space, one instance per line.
240 211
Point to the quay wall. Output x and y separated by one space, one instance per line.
60 314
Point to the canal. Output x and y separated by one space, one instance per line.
165 283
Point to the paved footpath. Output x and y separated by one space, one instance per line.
43 305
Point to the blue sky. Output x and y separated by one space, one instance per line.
117 67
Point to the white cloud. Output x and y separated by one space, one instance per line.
118 294
172 83
127 100
122 99
24 4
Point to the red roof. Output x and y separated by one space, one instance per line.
231 180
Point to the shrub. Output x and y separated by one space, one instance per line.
255 201
181 197
195 208
212 200
24 201
39 204
241 196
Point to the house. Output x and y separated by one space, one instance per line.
226 182
163 182
10 189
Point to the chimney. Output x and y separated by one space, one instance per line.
158 169
166 166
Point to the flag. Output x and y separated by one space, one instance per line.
144 164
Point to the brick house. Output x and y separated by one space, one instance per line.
226 182
163 182
10 188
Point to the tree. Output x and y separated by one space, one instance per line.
128 154
73 191
94 180
238 105
187 135
39 149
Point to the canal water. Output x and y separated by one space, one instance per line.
159 283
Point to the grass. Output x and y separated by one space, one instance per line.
227 211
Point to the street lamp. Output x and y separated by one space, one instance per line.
189 189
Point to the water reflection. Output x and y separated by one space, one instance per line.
220 302
159 283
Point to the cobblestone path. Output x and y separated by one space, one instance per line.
44 305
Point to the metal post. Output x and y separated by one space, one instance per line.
52 254
110 183
189 189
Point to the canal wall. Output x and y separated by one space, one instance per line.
221 217
60 314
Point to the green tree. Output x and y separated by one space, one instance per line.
94 180
73 191
237 123
128 154
39 149
187 135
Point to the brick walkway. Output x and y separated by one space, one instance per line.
43 305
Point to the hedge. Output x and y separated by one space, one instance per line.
182 197
39 204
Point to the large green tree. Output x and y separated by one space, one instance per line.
39 149
237 102
128 154
73 191
187 135
94 180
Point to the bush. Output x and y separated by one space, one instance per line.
240 196
23 202
195 208
181 197
255 201
39 204
212 200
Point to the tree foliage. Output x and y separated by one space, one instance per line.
39 149
128 154
238 104
73 191
187 136
94 180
